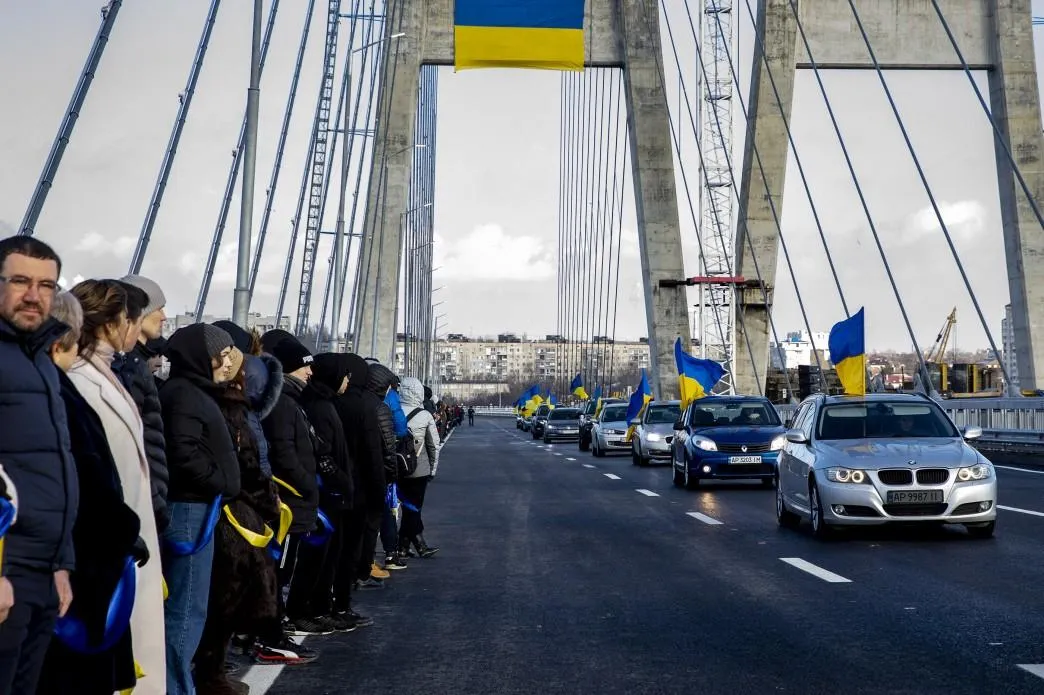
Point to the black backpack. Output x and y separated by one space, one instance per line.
406 451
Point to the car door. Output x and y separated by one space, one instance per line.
680 436
804 460
787 457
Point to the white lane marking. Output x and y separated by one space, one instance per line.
261 677
588 465
1036 669
647 493
557 454
1020 511
709 520
1021 470
611 476
570 458
815 570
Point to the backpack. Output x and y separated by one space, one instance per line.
406 450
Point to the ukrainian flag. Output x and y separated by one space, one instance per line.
551 400
577 387
848 353
597 397
542 34
696 377
639 399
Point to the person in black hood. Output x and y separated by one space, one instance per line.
204 471
429 404
330 378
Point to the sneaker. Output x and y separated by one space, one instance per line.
394 562
284 652
338 622
302 627
377 573
370 583
353 618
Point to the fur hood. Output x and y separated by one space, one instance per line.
264 382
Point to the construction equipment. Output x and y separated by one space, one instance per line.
959 380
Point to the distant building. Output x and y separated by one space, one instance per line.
796 350
1008 355
261 323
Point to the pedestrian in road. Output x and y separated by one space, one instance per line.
105 332
104 536
36 454
425 437
204 473
471 416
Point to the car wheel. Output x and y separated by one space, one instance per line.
546 440
982 530
785 517
820 529
595 449
679 479
690 482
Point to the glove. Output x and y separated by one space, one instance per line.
140 552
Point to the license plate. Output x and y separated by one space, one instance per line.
914 496
569 431
744 459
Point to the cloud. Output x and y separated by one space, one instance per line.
965 220
488 253
98 245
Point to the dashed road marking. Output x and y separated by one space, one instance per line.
588 465
557 454
709 520
570 458
611 476
1036 669
647 493
1020 511
815 570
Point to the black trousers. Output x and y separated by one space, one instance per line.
305 580
411 494
371 529
26 634
353 525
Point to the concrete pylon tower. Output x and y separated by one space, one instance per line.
618 33
994 35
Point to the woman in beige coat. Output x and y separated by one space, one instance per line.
105 328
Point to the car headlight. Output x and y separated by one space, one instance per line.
981 471
652 437
703 443
778 443
846 475
616 431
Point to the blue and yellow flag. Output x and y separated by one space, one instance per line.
543 34
551 400
597 398
848 353
577 387
696 377
639 399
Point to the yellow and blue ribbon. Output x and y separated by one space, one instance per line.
206 534
72 632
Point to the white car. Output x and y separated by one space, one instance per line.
876 459
610 429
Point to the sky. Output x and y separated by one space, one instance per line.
497 185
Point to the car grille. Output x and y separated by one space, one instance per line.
932 476
895 477
739 448
915 509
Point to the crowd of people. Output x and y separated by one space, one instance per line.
171 500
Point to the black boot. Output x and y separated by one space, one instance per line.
423 549
404 548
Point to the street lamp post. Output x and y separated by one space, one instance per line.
339 260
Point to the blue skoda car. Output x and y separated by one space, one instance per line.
727 438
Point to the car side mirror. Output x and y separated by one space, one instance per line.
971 432
679 425
796 437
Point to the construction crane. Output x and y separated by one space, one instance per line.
938 349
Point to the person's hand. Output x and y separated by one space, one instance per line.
140 552
7 598
65 595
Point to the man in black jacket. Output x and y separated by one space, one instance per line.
133 370
35 452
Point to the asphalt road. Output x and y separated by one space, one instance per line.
562 573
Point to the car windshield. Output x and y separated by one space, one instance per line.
591 406
614 413
564 414
883 419
734 414
662 415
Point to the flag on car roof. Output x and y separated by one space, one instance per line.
696 377
639 399
577 387
848 353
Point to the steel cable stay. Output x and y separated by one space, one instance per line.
565 220
604 273
793 146
772 207
688 195
345 93
273 182
584 184
184 104
233 176
579 180
593 214
619 240
927 188
614 229
563 110
925 379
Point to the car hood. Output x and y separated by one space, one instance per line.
740 435
901 453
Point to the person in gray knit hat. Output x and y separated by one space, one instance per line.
204 471
136 376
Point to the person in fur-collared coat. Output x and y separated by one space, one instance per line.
243 580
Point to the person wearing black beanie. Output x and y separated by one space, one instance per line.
241 338
274 337
295 358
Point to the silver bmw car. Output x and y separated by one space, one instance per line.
882 458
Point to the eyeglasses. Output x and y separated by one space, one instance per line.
21 282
